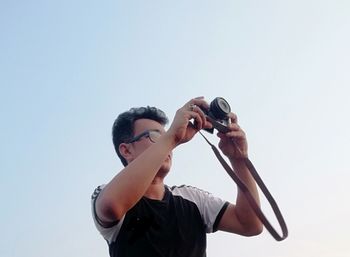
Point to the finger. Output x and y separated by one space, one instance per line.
197 105
198 120
198 110
199 101
233 117
236 134
234 127
194 100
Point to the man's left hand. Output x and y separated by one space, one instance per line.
233 143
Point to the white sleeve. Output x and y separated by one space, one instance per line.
109 233
210 207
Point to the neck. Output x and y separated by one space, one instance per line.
156 190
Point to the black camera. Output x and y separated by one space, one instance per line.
217 114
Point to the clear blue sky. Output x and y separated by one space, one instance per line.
68 68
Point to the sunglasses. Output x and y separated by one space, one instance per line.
153 135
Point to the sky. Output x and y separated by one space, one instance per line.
68 68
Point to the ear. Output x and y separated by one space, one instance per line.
125 151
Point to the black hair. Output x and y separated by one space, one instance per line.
123 126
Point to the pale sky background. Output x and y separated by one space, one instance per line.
68 68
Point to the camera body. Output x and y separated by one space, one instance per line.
217 114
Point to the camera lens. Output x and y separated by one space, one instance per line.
219 108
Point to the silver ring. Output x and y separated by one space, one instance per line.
192 106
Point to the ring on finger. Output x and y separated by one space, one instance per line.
192 106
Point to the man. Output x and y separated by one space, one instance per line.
139 215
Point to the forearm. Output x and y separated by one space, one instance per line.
130 184
244 212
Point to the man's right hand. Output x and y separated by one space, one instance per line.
182 129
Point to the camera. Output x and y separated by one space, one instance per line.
217 114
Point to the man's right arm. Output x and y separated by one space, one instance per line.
131 183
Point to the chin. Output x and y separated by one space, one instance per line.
164 169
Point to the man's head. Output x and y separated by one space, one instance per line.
124 126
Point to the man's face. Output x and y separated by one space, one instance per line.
144 142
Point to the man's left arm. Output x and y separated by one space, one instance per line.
239 218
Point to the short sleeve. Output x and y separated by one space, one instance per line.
109 233
210 207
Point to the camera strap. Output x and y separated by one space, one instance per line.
249 196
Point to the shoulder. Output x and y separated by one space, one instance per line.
97 191
190 193
187 190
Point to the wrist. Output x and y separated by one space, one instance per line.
238 163
169 139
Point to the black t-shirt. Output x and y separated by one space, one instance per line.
175 226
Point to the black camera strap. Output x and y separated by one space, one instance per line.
249 196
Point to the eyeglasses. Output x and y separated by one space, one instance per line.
153 135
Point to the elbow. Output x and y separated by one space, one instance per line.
253 230
109 209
